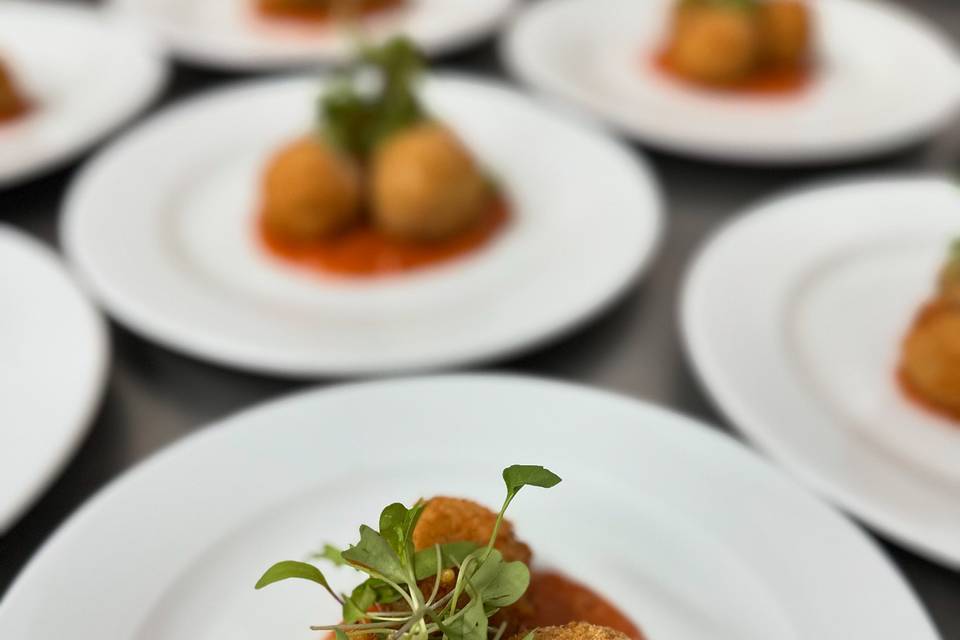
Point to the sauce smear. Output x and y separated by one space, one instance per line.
363 251
558 600
321 12
769 82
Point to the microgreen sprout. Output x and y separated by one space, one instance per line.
356 115
401 598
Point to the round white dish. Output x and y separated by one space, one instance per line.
227 34
84 74
700 538
53 362
599 57
165 239
803 358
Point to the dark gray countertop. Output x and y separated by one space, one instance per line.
155 396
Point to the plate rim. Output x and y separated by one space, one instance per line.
721 152
736 414
240 421
95 137
174 43
128 311
82 422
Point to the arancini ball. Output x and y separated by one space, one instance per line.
425 185
311 191
11 102
447 520
576 631
714 44
930 363
785 32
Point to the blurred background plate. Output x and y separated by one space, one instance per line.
689 533
228 34
84 74
794 316
53 363
883 79
161 227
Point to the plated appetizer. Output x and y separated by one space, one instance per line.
381 186
322 11
930 359
449 568
13 104
743 45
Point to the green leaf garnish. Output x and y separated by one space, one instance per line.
356 118
521 475
331 554
484 582
470 623
451 554
293 569
374 555
500 583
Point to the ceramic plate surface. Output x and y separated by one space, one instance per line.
804 357
53 360
85 75
721 545
599 56
229 34
162 228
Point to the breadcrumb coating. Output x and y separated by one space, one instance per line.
576 631
447 520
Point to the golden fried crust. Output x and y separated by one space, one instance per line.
714 44
447 520
576 631
785 32
310 191
456 520
425 185
11 103
931 357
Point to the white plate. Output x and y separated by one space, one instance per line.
687 531
163 236
597 55
86 76
794 315
53 360
227 34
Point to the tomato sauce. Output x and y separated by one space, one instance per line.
558 600
363 251
13 106
764 82
322 13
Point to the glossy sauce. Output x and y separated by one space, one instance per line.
764 82
363 251
322 14
558 600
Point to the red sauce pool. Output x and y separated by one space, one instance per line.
364 252
558 600
769 82
321 14
13 106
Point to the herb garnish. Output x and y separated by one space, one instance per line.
374 98
484 582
